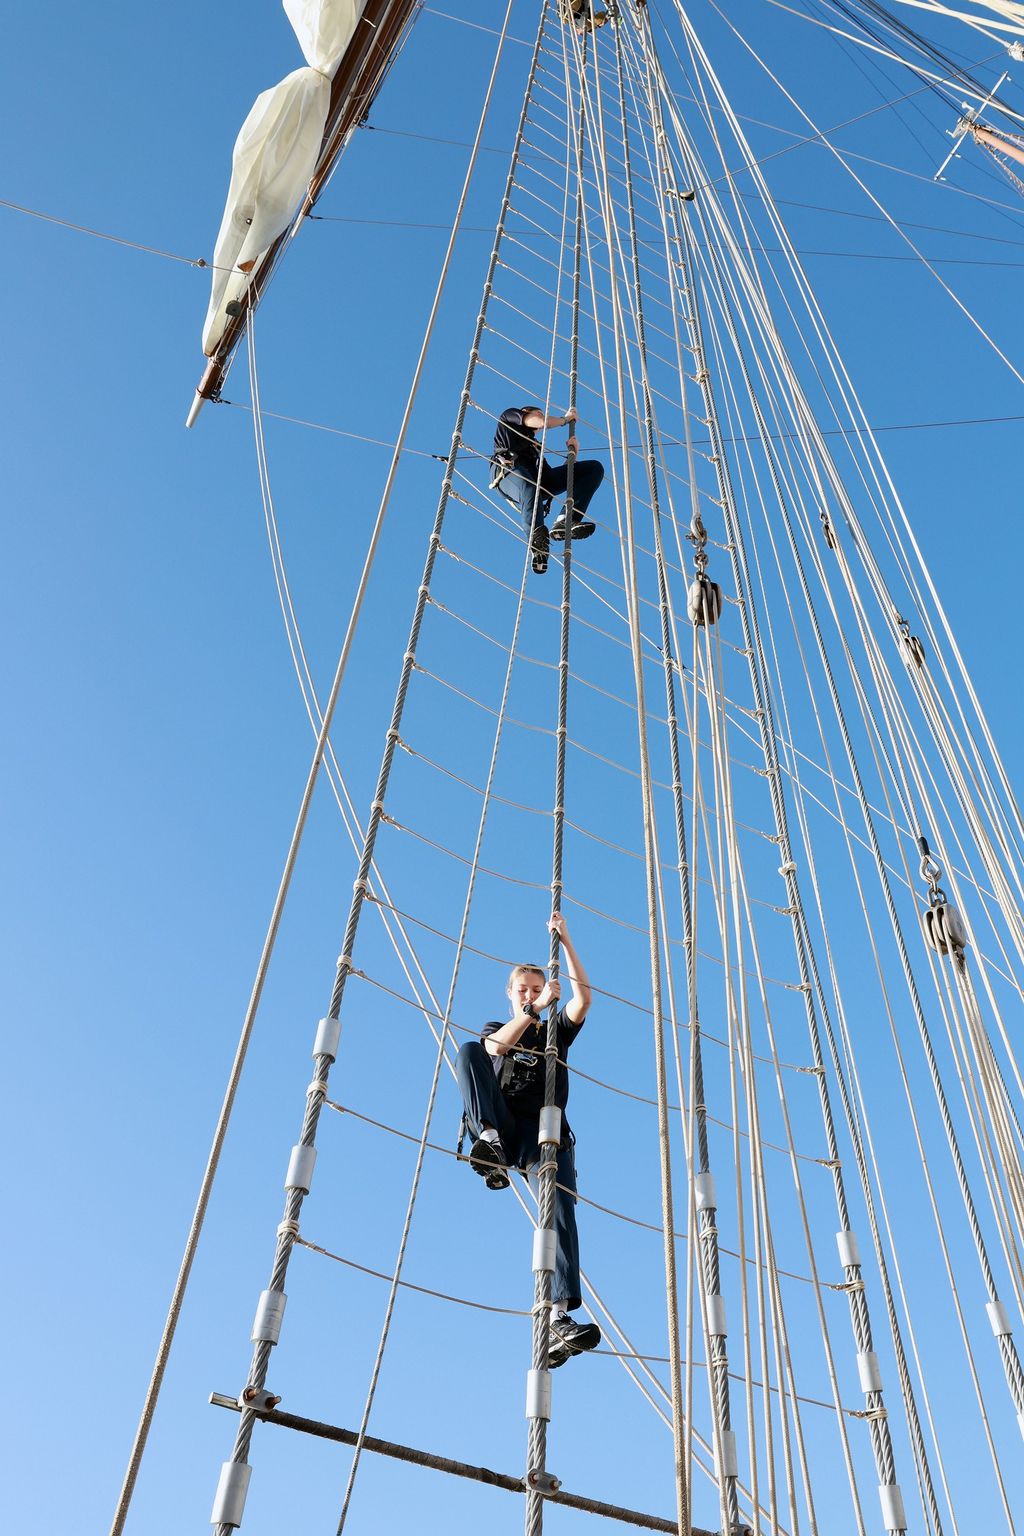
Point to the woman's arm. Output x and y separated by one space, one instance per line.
578 1006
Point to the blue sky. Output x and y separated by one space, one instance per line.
156 744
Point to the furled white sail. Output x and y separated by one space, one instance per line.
274 158
324 29
982 18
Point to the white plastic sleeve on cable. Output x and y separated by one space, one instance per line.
266 1326
328 1032
704 1191
300 1169
868 1370
998 1317
716 1316
543 1249
729 1465
849 1249
550 1132
894 1516
538 1394
232 1487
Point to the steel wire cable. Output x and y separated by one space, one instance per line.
753 644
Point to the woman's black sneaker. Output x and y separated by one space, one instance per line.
582 527
487 1158
539 544
567 1338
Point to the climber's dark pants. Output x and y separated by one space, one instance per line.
521 489
486 1105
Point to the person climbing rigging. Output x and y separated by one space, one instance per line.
501 1077
529 482
583 14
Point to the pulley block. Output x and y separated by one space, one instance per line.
944 928
913 651
704 601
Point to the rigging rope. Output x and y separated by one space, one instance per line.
652 861
538 1394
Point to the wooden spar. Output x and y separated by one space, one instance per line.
994 140
457 1468
358 79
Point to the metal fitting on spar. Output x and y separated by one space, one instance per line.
542 1482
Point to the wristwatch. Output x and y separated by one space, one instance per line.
531 1012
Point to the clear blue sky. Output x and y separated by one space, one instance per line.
156 746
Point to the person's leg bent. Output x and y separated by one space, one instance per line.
565 1285
553 479
523 494
587 476
482 1097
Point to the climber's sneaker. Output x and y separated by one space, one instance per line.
567 1338
487 1158
582 527
540 541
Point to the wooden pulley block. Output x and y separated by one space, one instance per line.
913 651
944 928
704 601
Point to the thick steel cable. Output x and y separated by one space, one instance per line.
289 1226
710 1287
859 1318
536 1452
241 1049
708 1236
651 865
